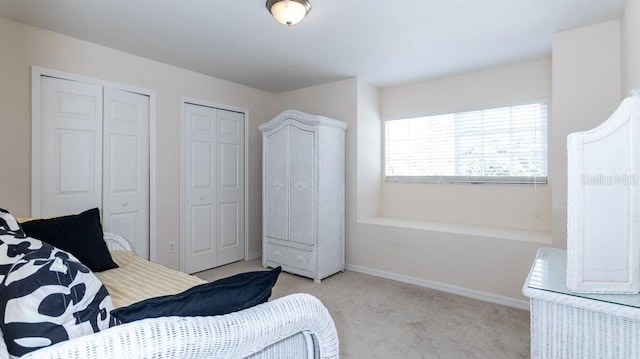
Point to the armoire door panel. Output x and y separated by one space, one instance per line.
276 172
302 186
70 148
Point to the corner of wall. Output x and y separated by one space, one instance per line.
585 93
368 152
630 34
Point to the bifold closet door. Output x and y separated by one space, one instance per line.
125 203
230 246
213 187
93 151
70 156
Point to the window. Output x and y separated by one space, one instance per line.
497 145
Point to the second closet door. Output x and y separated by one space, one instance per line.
213 187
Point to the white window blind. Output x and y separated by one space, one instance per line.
497 145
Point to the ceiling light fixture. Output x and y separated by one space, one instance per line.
289 12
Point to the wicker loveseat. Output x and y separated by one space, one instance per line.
295 326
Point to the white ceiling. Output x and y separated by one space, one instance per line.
385 43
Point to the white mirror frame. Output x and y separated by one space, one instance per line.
603 208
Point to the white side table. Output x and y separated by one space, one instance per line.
567 325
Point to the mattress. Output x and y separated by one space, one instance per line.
137 279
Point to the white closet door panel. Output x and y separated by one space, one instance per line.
229 171
302 186
124 222
123 176
74 169
276 183
201 170
126 166
202 231
229 226
200 188
70 148
230 247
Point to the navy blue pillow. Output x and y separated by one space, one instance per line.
80 235
223 296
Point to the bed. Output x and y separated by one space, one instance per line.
295 326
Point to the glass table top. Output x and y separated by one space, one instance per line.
549 273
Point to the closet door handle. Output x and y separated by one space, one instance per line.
124 204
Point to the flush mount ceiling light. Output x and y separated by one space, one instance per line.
289 12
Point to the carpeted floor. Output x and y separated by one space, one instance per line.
381 318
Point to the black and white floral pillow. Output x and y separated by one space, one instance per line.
14 244
46 295
8 224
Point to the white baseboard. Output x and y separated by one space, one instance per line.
253 255
465 292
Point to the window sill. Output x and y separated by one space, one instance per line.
465 229
512 180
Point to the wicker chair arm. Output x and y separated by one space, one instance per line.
236 335
116 242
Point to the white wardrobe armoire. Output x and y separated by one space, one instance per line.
303 194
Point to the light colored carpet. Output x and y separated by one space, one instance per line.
381 318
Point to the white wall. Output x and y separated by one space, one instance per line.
525 207
25 46
334 100
586 91
630 29
369 147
